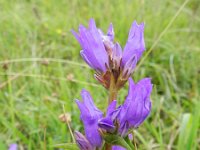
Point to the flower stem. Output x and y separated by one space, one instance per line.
108 147
113 91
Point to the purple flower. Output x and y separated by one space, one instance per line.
90 115
91 41
106 57
133 49
133 112
135 44
137 105
82 142
13 146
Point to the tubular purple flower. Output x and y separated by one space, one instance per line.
113 67
135 45
94 52
137 105
101 53
82 142
90 115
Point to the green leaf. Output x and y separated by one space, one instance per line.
189 129
116 140
67 146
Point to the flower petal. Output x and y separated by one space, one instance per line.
137 105
82 142
135 44
111 108
92 134
93 52
87 100
90 115
107 124
110 32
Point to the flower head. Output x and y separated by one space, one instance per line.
90 115
133 112
101 53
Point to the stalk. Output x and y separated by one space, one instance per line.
108 147
113 91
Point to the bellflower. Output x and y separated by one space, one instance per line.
134 111
134 47
94 52
137 105
90 115
114 66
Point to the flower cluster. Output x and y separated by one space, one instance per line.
113 68
106 57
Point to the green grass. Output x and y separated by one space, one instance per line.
33 90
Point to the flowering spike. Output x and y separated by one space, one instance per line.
113 68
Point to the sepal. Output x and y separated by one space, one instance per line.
113 139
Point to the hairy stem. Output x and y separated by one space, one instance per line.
112 96
112 90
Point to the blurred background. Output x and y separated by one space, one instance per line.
42 73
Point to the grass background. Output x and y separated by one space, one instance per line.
41 69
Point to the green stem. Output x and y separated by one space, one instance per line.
113 91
